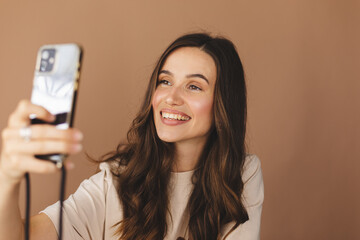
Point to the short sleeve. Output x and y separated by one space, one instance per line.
84 211
253 197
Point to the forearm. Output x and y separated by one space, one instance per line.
11 225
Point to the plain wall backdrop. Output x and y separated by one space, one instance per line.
302 62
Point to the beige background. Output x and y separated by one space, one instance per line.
302 61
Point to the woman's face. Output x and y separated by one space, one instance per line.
183 100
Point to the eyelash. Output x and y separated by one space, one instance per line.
191 87
194 87
166 82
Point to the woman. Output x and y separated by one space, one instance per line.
183 173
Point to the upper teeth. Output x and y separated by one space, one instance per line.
175 116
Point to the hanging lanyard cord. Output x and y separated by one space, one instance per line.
27 203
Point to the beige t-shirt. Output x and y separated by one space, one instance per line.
93 210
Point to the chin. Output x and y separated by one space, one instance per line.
167 138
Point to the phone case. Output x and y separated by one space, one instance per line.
55 85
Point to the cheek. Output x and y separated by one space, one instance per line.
203 109
156 99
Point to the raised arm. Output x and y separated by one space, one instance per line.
17 158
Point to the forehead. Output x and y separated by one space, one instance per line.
190 60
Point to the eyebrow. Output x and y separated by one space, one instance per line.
198 75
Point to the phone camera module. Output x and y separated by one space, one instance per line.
47 60
43 66
45 54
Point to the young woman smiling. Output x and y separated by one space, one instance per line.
183 172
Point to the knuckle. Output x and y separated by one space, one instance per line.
50 167
50 146
8 148
23 104
39 131
12 118
40 147
5 133
67 147
15 163
67 134
44 168
43 131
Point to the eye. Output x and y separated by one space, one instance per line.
194 87
164 82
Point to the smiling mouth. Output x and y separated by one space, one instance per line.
173 116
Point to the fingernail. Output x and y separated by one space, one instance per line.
77 147
79 136
70 165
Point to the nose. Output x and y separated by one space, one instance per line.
174 97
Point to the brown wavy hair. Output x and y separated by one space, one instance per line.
142 166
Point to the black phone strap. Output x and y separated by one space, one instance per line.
61 199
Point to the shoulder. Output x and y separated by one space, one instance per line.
253 181
252 166
252 198
106 170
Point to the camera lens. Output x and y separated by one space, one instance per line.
45 54
43 66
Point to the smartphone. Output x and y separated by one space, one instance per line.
55 86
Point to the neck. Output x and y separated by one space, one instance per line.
187 154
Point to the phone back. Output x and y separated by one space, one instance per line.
56 81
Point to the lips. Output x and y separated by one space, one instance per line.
174 115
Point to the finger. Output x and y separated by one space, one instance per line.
20 117
69 165
41 147
25 163
44 131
